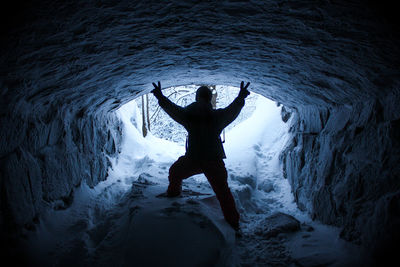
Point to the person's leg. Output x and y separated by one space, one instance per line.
217 176
182 168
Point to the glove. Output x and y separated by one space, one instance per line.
157 90
243 90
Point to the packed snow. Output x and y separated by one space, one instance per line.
123 221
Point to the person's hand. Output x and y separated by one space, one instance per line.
243 90
157 90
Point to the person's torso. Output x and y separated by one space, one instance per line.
204 140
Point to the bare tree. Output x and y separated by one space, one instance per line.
214 104
214 96
144 128
147 111
181 96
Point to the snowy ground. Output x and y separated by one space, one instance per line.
122 222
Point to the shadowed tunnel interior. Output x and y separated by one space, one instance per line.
333 65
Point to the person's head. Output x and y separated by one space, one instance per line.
203 94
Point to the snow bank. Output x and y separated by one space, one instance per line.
253 148
138 152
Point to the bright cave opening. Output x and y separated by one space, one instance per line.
252 144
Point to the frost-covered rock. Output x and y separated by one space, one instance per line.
266 186
56 155
249 180
285 113
278 223
342 164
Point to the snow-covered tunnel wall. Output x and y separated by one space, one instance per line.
49 153
334 65
342 165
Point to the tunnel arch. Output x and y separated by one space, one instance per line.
335 65
284 48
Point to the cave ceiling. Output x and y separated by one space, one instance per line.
104 53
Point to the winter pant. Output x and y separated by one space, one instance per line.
216 175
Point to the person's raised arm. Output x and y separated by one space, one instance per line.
230 113
176 112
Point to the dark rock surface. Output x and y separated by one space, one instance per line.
65 66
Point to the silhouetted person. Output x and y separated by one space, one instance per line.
204 151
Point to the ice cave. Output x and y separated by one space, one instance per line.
312 160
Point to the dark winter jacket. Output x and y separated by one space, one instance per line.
204 125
